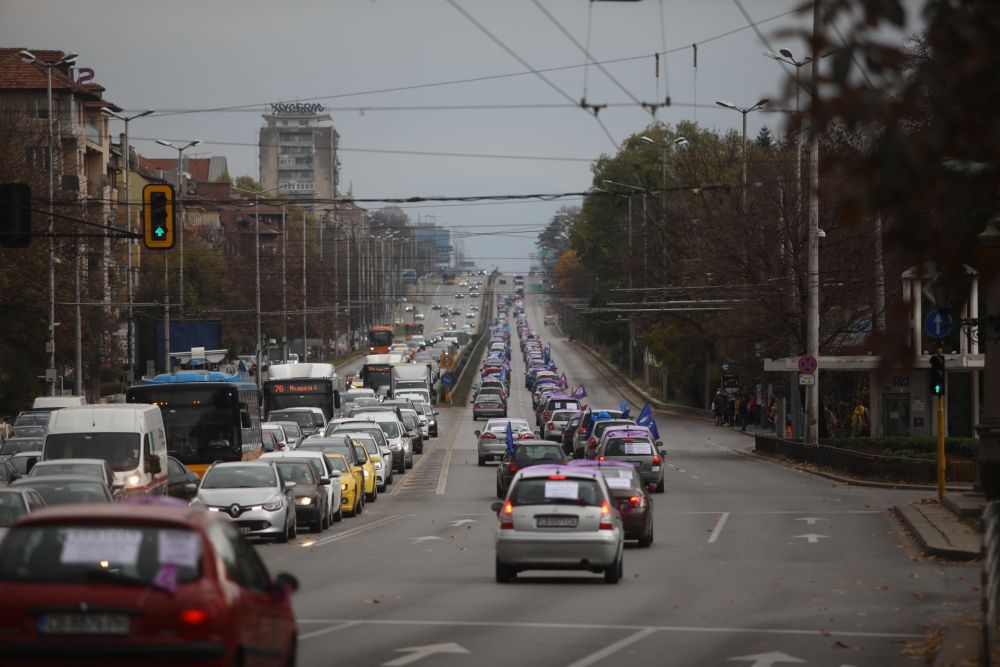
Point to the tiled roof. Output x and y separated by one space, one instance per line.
196 167
17 74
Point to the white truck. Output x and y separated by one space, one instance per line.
411 376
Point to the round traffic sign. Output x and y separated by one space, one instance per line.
447 360
808 364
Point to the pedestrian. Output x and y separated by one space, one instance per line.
752 409
789 433
859 420
827 422
772 413
718 406
6 430
730 410
744 412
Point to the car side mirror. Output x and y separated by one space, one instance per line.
289 486
324 481
436 413
663 453
191 488
335 474
153 465
651 488
477 432
496 507
117 485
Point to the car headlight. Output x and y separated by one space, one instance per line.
395 447
133 480
304 500
343 487
378 465
366 472
273 504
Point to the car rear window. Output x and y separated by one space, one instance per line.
55 468
621 479
239 477
547 491
129 555
560 403
338 463
293 471
300 418
529 454
11 508
628 447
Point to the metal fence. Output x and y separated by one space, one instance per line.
990 584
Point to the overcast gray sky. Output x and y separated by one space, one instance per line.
195 55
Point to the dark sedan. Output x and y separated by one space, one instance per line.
630 495
67 489
179 478
526 454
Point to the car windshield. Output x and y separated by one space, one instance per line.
628 447
391 429
531 454
338 448
29 431
239 477
294 471
338 463
11 508
121 450
303 419
55 468
15 445
126 555
369 444
546 491
65 492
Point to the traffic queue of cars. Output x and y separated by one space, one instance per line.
576 485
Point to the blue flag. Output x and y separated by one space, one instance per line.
510 441
646 419
624 409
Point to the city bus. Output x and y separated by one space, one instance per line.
379 339
312 385
447 277
209 416
411 329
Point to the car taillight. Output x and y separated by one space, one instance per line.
546 414
656 460
582 431
592 442
507 517
193 616
488 436
605 518
600 458
475 405
636 501
512 467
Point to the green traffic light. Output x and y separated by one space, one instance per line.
159 231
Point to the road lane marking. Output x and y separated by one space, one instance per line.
420 652
718 528
611 649
813 538
326 631
824 632
810 520
445 465
360 529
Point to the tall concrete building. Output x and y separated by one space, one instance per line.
298 151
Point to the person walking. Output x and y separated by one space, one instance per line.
772 413
859 420
718 406
752 410
744 412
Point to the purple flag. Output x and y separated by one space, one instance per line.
579 392
562 381
166 578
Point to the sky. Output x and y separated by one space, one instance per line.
371 62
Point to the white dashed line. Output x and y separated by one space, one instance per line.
718 528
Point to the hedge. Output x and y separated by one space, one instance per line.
903 447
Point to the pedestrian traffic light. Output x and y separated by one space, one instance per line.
937 375
15 215
158 216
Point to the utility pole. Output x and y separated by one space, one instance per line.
284 287
305 344
812 423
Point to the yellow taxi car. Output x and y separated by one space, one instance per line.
360 468
368 467
383 468
350 498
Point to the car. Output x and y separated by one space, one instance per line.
569 430
310 420
328 480
24 460
419 317
8 473
260 502
558 518
311 499
552 428
353 500
135 583
15 503
431 415
583 438
631 497
411 422
178 479
382 466
278 433
635 446
394 432
597 431
489 405
408 308
293 434
350 493
67 489
527 453
491 443
369 481
97 468
436 306
12 446
268 440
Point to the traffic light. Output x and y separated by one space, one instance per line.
937 375
158 216
15 215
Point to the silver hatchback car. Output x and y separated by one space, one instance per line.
254 495
491 441
558 518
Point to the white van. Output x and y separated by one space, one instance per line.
57 402
129 436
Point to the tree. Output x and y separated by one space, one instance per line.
764 138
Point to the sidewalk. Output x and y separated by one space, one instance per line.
939 531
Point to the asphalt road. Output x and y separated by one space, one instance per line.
754 564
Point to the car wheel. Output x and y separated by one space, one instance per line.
482 461
373 496
284 535
295 529
338 515
660 487
646 541
614 573
409 464
504 573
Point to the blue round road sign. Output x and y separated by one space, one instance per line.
938 324
808 364
447 379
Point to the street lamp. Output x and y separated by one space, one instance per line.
130 278
180 202
256 203
69 58
678 142
645 241
763 102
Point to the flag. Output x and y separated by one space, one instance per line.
551 365
562 381
646 419
579 392
624 409
510 441
545 352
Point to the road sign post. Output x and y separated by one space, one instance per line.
938 324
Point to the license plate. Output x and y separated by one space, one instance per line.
244 530
83 624
556 521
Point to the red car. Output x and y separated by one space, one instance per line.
125 583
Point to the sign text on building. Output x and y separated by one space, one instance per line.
296 107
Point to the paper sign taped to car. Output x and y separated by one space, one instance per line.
178 547
90 546
638 448
561 489
619 482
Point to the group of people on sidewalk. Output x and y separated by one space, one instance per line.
740 409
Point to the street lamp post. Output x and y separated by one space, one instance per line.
131 243
180 204
645 239
69 58
763 102
676 143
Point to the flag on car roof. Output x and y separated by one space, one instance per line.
510 441
624 409
646 419
562 381
579 392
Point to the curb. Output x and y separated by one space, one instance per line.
929 537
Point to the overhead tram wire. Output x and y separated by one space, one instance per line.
258 106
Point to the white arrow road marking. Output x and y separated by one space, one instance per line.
768 659
425 538
458 522
810 520
718 528
420 652
812 537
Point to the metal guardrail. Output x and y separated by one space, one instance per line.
990 583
